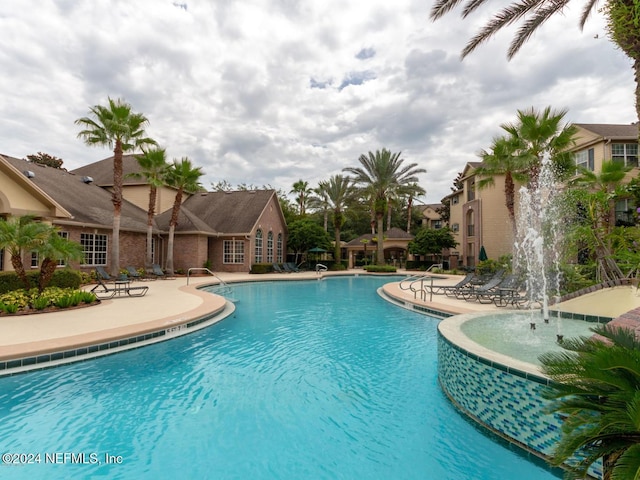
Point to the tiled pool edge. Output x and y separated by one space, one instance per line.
115 345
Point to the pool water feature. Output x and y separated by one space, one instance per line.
311 379
511 334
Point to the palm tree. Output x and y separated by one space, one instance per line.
380 175
19 235
184 177
302 191
117 127
596 385
597 198
503 159
154 168
622 21
54 249
542 133
410 192
340 193
320 202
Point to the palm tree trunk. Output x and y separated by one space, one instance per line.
510 200
409 207
169 267
18 267
150 214
47 269
337 249
389 217
116 198
380 259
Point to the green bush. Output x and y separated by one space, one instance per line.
380 268
63 278
40 303
262 268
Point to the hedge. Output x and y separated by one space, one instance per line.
63 278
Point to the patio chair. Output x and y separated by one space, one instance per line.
507 287
102 274
133 273
156 270
482 291
447 289
291 267
277 269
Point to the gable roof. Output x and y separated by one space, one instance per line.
612 131
102 171
88 204
221 212
394 233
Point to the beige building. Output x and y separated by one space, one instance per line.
479 217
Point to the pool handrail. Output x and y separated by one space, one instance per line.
417 279
222 282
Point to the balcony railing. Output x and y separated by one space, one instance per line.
471 230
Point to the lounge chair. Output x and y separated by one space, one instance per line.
476 282
506 287
120 287
277 269
102 274
482 291
291 267
133 273
158 273
447 289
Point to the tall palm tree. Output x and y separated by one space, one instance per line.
596 387
154 168
503 159
302 191
54 249
410 192
115 126
379 175
340 193
539 134
320 202
184 177
622 22
19 235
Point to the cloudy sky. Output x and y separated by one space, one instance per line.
267 92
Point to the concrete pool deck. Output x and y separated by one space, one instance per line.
168 304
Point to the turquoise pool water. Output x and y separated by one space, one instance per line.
308 380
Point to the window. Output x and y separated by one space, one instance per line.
437 224
95 248
35 260
279 249
586 159
233 251
455 227
65 235
270 247
471 190
624 212
1 259
258 246
454 200
625 153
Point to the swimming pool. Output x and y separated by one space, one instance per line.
310 379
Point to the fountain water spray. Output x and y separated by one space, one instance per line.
537 246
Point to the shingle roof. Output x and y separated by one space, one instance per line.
394 233
612 131
102 171
87 202
222 212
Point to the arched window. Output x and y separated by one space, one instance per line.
279 249
270 247
258 248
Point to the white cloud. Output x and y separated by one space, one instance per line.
266 92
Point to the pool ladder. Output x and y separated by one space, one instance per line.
223 288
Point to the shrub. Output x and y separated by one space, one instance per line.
380 268
40 303
9 308
261 268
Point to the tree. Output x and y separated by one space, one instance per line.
54 249
623 22
302 191
320 202
184 177
19 235
305 234
596 387
154 169
503 159
45 159
340 193
115 126
379 176
430 241
537 134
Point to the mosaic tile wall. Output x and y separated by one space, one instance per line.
507 401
